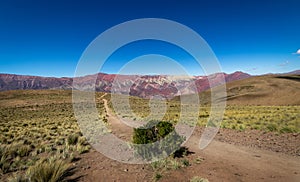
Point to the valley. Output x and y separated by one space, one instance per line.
258 139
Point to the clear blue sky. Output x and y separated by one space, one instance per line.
47 38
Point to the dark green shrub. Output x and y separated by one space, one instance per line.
155 131
152 132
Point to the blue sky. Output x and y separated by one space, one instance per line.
47 38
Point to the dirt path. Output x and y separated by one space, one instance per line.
221 162
118 128
227 162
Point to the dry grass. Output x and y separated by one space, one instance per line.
281 119
52 170
35 124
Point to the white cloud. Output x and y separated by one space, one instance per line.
297 52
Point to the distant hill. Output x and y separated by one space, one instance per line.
279 89
296 72
242 88
145 86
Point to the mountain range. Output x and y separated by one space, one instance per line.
145 86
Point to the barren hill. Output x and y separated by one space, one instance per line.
262 90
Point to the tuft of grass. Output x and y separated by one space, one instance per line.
50 170
199 160
198 179
82 148
287 129
157 176
73 139
272 127
5 162
186 162
160 164
18 178
24 150
175 164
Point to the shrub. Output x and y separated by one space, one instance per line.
154 131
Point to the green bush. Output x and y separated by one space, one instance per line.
152 132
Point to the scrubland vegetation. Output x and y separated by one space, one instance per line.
39 135
280 119
40 138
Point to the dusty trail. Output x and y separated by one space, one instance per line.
118 128
227 162
222 162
